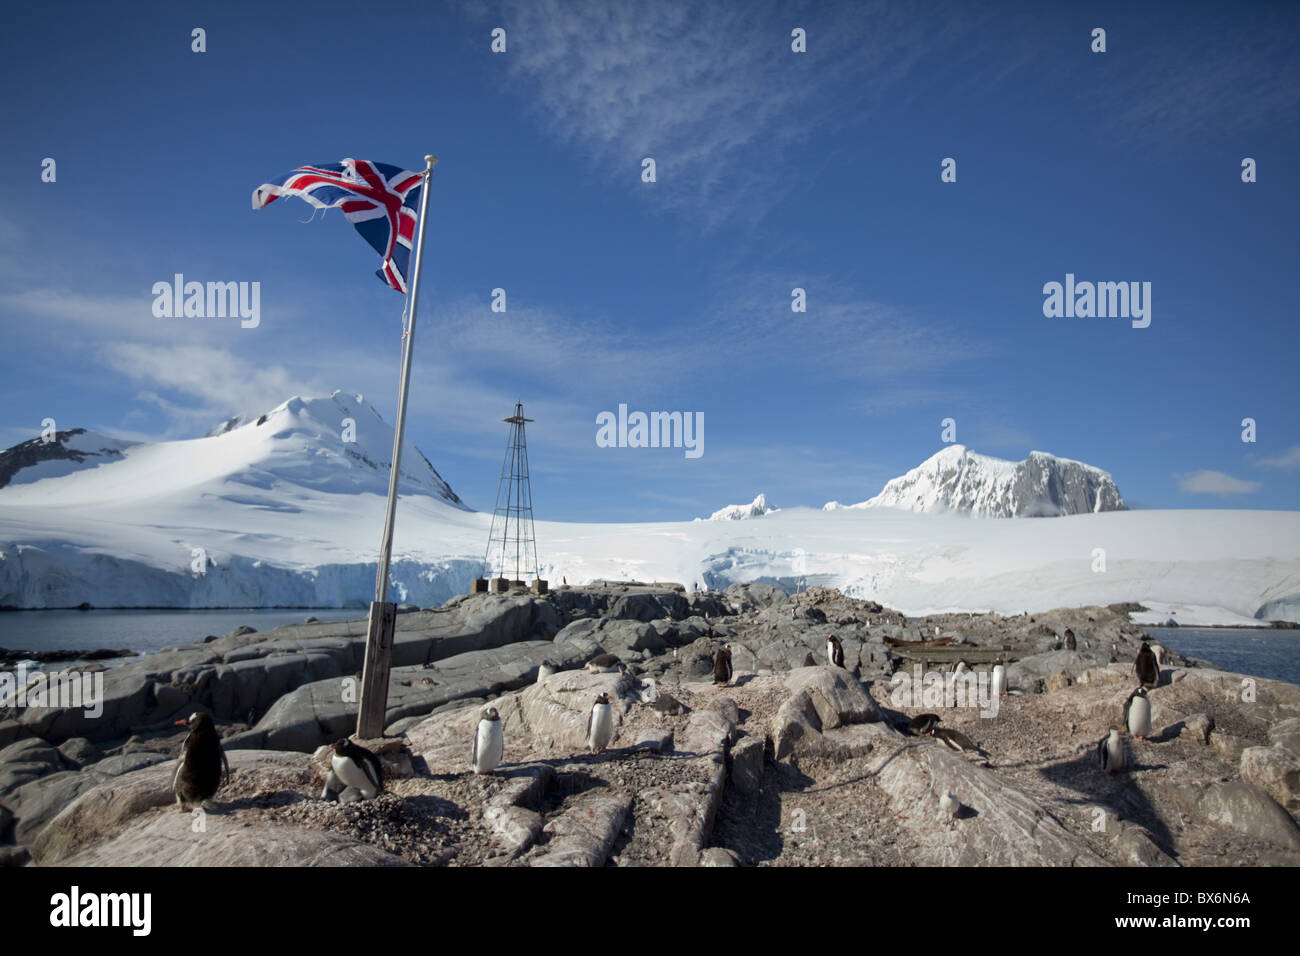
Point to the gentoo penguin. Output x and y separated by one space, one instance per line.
956 740
489 744
1148 672
999 679
835 651
603 663
544 670
960 667
722 666
1137 714
199 771
600 725
922 724
949 805
1110 751
353 767
1070 643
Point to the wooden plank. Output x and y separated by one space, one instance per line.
374 674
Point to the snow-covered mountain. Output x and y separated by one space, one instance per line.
285 507
338 445
957 479
69 451
755 509
287 513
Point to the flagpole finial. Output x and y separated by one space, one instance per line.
431 160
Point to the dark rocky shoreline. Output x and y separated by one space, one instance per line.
277 696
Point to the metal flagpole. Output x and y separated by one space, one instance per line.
383 614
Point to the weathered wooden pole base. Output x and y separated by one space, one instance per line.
374 674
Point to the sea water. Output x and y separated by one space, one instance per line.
146 631
1259 651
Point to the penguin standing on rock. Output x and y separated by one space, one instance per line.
722 666
1110 752
835 651
1137 714
1148 672
950 806
489 743
199 772
960 667
353 767
1070 642
600 725
999 679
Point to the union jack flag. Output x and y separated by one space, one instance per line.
378 199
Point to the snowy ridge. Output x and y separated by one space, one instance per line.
285 513
755 509
335 445
70 451
959 480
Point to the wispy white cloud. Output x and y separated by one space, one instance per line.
207 383
842 334
1225 73
713 92
1289 459
105 314
1207 482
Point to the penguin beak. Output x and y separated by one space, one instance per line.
180 723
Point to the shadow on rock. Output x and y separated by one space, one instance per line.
1119 793
750 825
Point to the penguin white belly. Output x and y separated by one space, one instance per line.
830 653
1139 717
602 728
489 746
351 775
999 680
1115 758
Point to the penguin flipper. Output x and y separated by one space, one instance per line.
225 766
473 751
374 770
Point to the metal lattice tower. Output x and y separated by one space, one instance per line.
512 542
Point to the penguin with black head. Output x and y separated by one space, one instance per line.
199 772
722 666
835 651
600 724
1146 668
353 768
1111 755
1137 714
922 725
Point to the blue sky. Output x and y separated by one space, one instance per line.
775 170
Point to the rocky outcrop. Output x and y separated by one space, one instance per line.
323 711
783 765
1276 771
132 821
242 676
